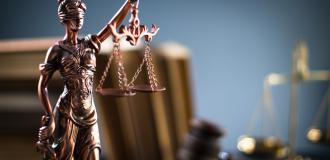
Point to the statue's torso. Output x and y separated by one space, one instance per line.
77 67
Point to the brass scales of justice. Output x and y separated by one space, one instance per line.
272 146
133 34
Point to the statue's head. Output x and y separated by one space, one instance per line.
71 13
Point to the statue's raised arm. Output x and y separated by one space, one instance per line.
116 20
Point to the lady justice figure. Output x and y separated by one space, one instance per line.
69 130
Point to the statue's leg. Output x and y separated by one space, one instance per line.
88 143
64 137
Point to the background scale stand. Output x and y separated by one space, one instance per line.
299 73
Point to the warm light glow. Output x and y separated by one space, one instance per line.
246 145
270 142
282 152
273 78
314 135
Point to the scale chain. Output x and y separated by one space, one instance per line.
150 67
136 74
121 70
105 73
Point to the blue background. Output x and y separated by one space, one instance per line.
233 43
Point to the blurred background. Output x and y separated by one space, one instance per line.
233 45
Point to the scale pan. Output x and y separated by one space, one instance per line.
147 88
116 92
269 147
318 135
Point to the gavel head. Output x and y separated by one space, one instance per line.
201 142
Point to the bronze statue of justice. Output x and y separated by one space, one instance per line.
69 130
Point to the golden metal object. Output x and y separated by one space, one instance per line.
314 134
246 144
317 135
262 146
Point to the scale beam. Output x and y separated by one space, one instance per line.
274 79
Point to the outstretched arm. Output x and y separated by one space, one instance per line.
116 20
